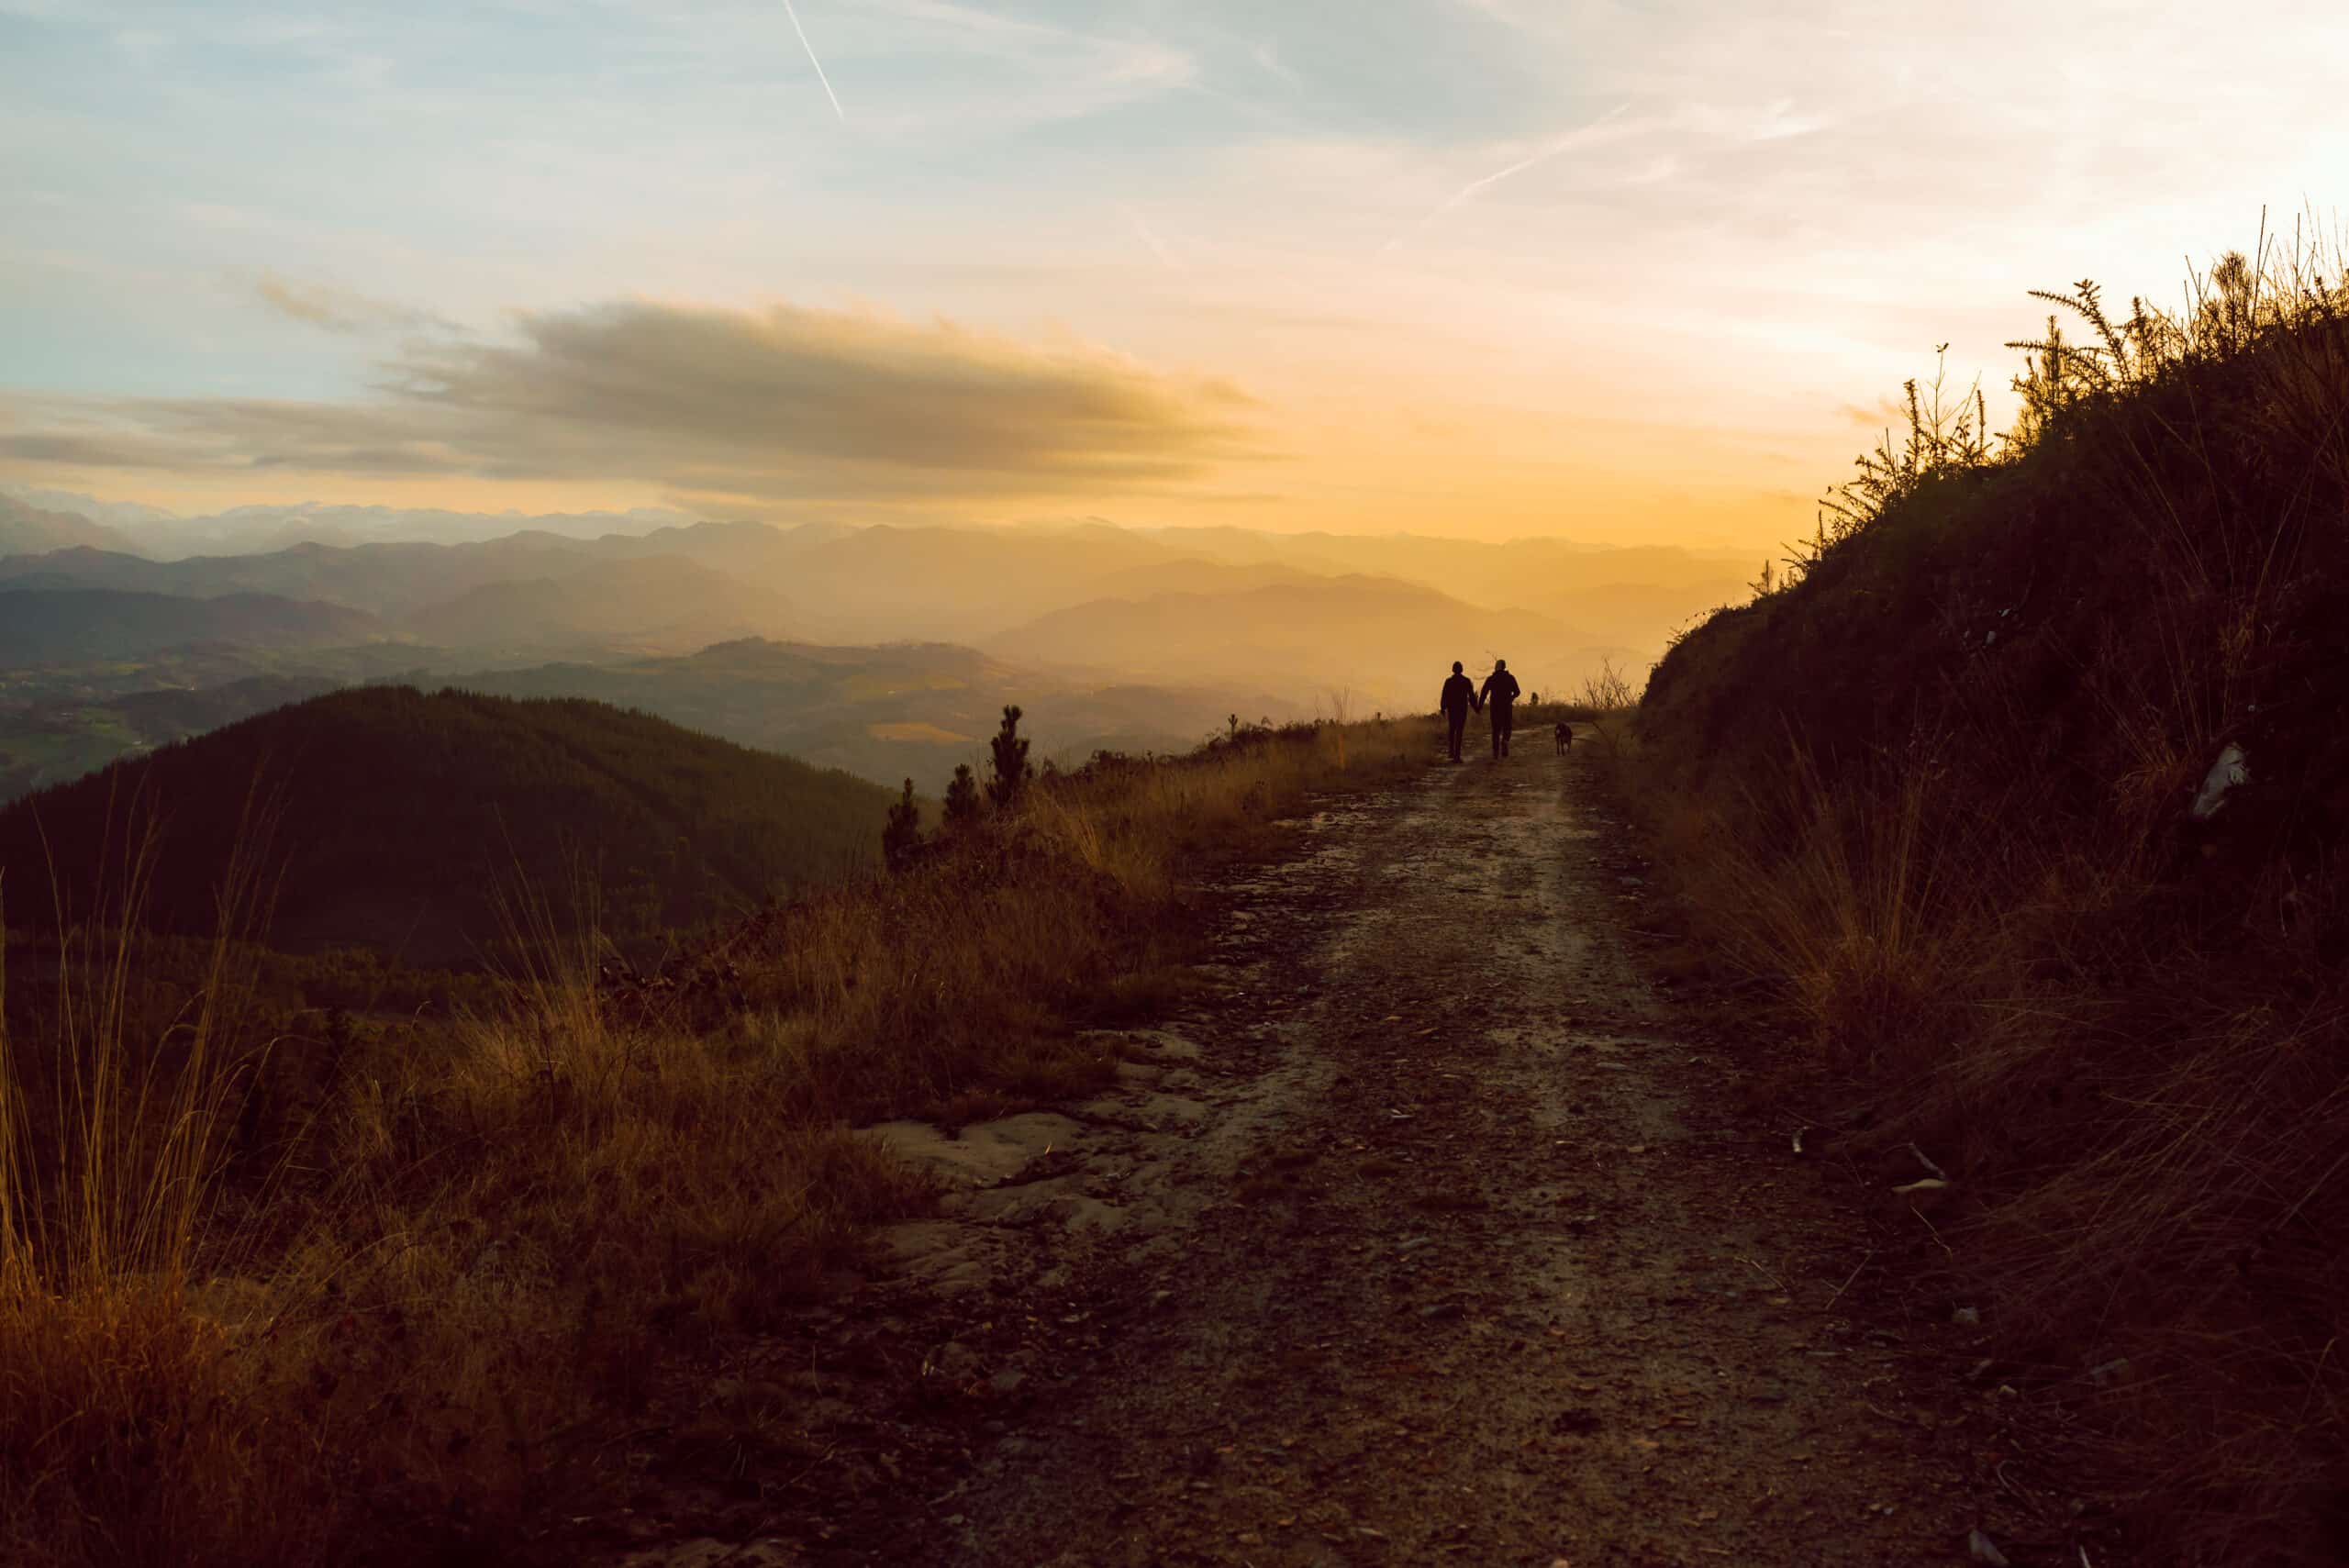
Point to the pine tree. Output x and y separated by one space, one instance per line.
902 837
963 799
1012 770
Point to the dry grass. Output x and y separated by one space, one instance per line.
1930 795
468 1264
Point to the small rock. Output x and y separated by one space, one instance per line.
1007 1382
1982 1548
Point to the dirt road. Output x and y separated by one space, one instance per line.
1430 1233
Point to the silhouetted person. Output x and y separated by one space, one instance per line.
1498 692
1459 696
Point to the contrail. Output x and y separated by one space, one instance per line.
835 97
1141 232
1565 144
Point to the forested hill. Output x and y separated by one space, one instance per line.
400 820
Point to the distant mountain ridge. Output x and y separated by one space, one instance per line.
656 604
260 528
1134 639
1385 642
28 529
53 626
895 710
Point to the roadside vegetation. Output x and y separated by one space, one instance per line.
373 1289
2021 790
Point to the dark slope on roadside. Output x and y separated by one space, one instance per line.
2030 798
399 819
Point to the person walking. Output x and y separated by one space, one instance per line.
1459 696
1498 692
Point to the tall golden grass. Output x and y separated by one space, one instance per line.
127 1430
471 1262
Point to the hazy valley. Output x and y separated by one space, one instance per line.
890 649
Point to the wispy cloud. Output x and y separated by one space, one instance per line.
340 310
775 403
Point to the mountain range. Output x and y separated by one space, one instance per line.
884 650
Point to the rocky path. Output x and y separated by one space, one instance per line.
1432 1233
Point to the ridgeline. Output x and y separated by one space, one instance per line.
422 824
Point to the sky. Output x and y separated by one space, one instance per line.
1617 270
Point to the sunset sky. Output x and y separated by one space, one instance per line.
1613 271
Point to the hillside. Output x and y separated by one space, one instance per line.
657 604
28 529
895 711
1532 571
388 579
401 818
673 588
1387 642
2029 796
57 626
50 741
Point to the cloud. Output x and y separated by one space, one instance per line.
1885 412
337 310
784 403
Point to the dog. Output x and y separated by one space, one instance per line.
1565 737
